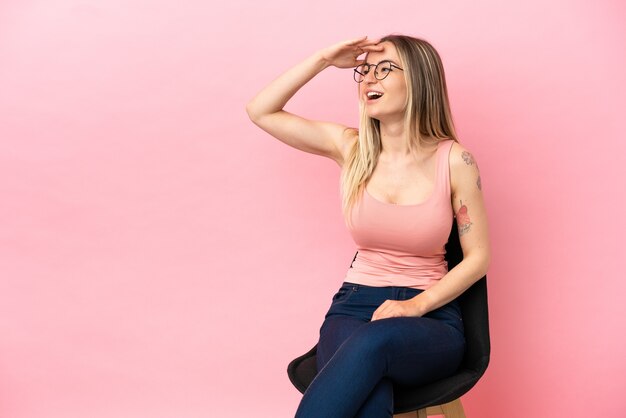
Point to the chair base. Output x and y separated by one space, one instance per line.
452 409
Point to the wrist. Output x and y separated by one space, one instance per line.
320 60
421 304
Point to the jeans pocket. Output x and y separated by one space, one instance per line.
344 291
339 294
449 314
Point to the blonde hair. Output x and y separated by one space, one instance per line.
427 114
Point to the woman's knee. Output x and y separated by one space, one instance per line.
390 336
374 338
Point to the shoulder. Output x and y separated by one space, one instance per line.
463 167
460 156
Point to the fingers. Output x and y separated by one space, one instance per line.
362 49
370 42
380 311
372 48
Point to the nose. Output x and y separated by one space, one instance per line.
369 77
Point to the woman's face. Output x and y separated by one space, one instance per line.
393 87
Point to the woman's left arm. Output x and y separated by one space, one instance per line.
471 218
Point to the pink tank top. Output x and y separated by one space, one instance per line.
404 245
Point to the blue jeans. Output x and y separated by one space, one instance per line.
359 360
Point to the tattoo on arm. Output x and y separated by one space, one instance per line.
469 160
462 220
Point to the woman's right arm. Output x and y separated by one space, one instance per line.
316 137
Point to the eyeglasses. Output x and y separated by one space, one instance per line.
382 70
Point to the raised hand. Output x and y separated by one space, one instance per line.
344 54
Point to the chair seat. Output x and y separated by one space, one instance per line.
303 370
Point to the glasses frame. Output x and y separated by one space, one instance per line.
369 67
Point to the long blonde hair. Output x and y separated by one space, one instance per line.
427 114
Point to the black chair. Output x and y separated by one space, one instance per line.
442 396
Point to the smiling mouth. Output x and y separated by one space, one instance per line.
372 96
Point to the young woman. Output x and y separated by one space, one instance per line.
396 317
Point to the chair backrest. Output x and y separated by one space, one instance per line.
474 309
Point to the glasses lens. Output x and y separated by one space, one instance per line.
382 70
360 72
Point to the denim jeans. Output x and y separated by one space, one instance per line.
359 360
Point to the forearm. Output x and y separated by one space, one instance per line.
276 94
455 282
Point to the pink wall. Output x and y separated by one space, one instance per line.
161 256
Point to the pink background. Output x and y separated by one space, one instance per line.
161 256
